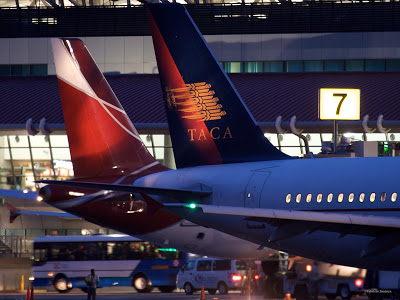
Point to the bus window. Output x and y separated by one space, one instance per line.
40 255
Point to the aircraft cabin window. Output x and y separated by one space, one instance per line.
319 198
362 196
330 197
394 197
383 197
308 198
340 197
351 197
288 196
372 197
298 198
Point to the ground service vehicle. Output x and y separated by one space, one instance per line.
382 284
215 274
308 280
119 260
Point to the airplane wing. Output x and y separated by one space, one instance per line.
290 223
200 191
323 217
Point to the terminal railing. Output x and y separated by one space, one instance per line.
14 246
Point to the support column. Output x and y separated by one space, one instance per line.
169 160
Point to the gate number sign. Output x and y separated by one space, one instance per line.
339 104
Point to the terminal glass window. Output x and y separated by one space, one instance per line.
253 67
21 70
333 65
273 66
355 65
313 66
374 65
5 70
393 65
37 70
233 67
294 66
290 144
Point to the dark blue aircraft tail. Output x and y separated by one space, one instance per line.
208 121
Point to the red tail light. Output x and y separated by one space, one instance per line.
358 282
256 277
236 277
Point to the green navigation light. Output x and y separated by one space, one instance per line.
167 249
192 205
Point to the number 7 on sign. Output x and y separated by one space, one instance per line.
333 107
341 101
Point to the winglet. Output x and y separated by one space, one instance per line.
14 212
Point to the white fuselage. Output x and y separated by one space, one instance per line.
267 185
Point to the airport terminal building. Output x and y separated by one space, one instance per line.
278 54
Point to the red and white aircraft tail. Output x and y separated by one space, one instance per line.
102 139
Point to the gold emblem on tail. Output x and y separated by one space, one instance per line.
195 101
